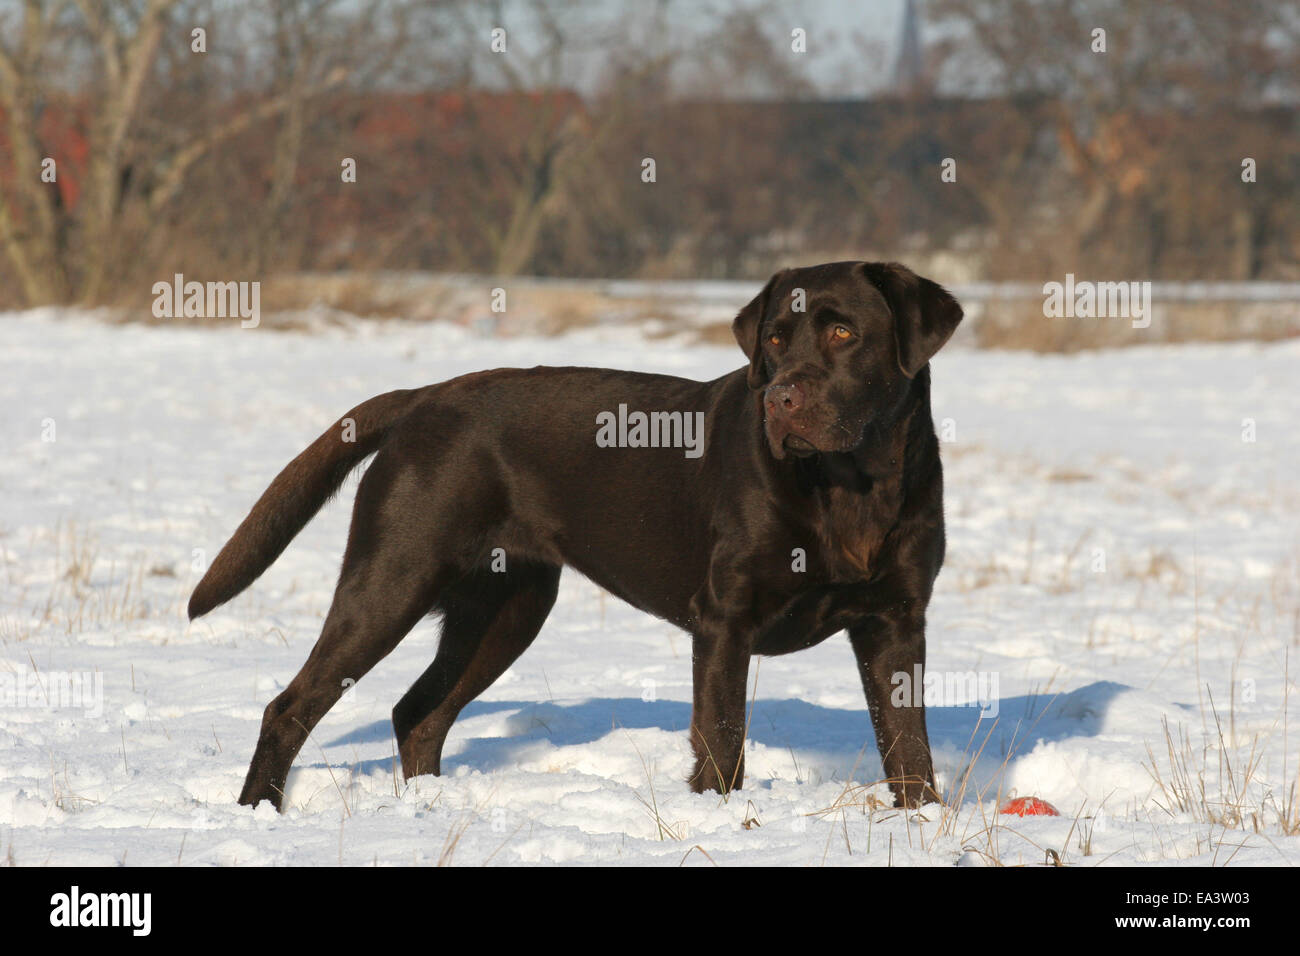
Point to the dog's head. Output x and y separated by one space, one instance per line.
833 349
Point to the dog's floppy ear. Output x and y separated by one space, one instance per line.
925 315
747 327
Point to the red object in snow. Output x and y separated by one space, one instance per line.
1029 807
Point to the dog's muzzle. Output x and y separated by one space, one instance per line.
782 407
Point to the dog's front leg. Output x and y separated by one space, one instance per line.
886 647
720 658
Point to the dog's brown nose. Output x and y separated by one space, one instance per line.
783 399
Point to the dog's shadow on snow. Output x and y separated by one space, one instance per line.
833 743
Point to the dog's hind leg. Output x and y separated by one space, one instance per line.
490 618
364 624
389 580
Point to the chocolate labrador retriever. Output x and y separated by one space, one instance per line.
811 502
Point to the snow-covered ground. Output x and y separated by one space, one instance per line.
1123 560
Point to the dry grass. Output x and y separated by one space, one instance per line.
62 794
77 600
452 841
1020 324
663 829
553 306
532 306
1222 780
1221 783
972 822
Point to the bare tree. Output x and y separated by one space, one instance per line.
1132 87
131 59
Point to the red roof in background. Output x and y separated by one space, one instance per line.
386 119
404 116
61 136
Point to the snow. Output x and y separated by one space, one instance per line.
1120 560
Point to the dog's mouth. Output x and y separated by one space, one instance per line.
796 439
801 439
799 447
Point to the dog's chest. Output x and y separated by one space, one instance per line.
854 528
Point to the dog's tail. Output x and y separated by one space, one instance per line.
295 496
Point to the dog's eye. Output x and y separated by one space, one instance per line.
843 332
774 339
